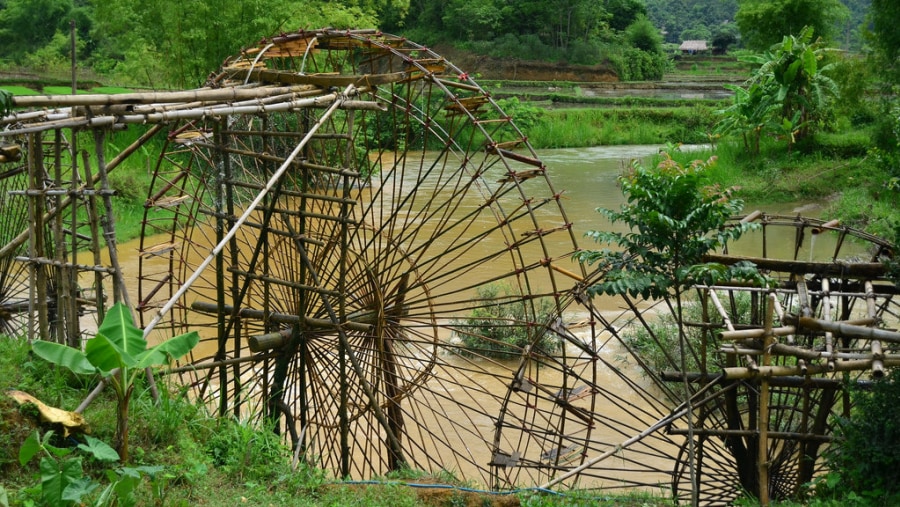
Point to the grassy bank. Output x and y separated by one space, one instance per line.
836 171
575 128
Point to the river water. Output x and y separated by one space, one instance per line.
587 178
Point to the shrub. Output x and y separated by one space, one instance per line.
503 325
867 461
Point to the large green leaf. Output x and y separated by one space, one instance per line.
62 355
118 342
99 449
56 476
30 447
173 348
78 489
119 328
106 355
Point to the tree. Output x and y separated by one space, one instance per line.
119 352
643 35
885 38
673 220
27 25
792 74
696 32
765 22
789 95
724 36
472 20
866 461
622 13
747 115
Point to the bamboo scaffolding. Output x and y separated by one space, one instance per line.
838 268
200 95
189 114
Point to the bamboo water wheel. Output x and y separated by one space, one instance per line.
406 216
52 283
768 369
355 227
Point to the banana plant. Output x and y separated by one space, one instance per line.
119 352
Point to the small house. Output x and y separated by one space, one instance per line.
692 47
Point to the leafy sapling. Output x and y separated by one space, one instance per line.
119 351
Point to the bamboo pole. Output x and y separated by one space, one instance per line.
777 349
839 268
727 321
189 114
877 353
826 313
846 330
94 224
762 460
198 95
739 372
36 234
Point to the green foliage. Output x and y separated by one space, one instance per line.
525 115
246 452
6 102
28 25
503 324
120 352
765 22
63 481
885 38
673 218
788 96
747 115
643 35
867 461
633 64
723 37
677 16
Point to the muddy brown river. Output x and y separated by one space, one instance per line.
587 177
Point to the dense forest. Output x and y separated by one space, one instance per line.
170 43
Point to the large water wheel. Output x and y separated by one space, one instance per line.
400 225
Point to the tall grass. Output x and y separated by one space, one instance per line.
574 128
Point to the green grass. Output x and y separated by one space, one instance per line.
832 170
62 90
19 90
573 128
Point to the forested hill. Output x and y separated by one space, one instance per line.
705 19
690 19
176 43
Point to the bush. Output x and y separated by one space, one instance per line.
247 452
855 143
503 325
867 461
